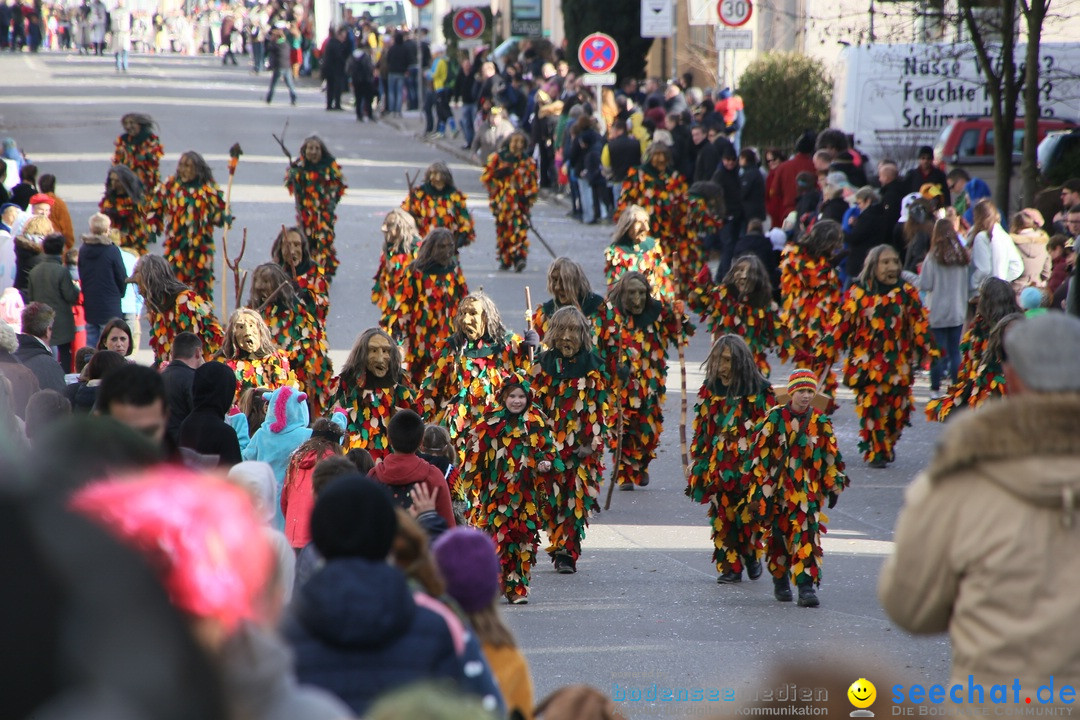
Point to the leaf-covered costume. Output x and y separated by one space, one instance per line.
573 394
664 197
465 378
318 188
811 293
303 339
433 208
725 312
884 328
644 344
501 456
388 288
270 371
512 189
315 290
129 219
188 214
369 409
189 312
142 155
723 425
429 300
969 375
646 258
601 317
794 462
687 256
987 382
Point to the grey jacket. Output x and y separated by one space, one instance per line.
949 292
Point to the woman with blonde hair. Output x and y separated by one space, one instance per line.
993 252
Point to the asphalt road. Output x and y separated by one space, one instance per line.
644 607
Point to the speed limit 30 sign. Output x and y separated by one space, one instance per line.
734 13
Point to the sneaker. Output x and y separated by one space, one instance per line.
753 567
807 596
626 486
565 565
782 589
514 599
729 578
878 463
519 266
644 480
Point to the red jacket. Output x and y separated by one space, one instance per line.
405 469
780 189
298 498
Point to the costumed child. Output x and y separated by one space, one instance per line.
250 352
987 381
886 331
284 429
795 467
569 287
123 204
293 253
996 300
811 293
370 388
437 203
172 308
508 452
400 241
661 191
465 377
631 248
569 387
647 326
315 181
511 182
294 329
139 149
733 399
741 304
187 207
433 287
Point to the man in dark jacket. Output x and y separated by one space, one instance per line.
727 177
872 228
893 190
186 358
624 152
102 276
205 433
35 351
363 82
707 162
754 242
23 381
27 187
334 58
926 172
356 628
752 184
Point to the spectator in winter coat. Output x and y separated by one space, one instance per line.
187 356
257 478
993 252
50 282
927 172
781 185
871 229
752 184
59 214
335 55
893 191
205 431
363 82
102 276
297 494
402 469
622 152
356 627
23 381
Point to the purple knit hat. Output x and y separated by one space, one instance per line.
469 564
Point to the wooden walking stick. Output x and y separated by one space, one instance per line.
239 276
234 159
616 391
682 385
528 317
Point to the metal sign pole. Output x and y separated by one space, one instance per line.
420 71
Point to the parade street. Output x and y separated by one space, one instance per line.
644 607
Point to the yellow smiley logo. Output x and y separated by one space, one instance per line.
862 693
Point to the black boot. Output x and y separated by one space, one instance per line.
564 564
782 589
729 578
753 567
807 596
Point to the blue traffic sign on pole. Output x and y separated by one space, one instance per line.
598 53
469 23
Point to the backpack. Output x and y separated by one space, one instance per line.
403 494
452 70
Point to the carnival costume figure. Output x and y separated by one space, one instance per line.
315 181
123 203
292 253
252 354
569 287
511 180
631 248
173 308
139 149
400 242
437 203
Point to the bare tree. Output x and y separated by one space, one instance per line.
1034 12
